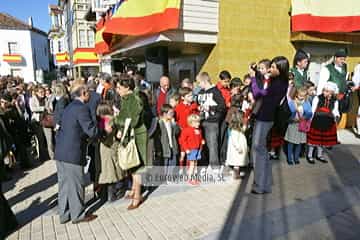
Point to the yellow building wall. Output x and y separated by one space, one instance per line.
250 31
253 30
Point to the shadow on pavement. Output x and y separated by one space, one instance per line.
285 211
35 188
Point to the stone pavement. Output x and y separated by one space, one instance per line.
320 201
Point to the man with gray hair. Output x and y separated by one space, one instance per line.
77 127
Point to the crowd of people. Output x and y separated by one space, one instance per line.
115 127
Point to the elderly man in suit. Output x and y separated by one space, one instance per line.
77 127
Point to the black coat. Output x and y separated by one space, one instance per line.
77 126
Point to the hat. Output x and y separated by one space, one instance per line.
341 53
331 87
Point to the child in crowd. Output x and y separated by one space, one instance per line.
247 80
323 126
174 100
235 86
168 138
192 142
263 69
183 110
108 169
311 90
237 153
300 117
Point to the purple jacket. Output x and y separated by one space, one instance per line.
271 98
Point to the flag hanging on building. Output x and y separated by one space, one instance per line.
325 15
85 55
12 58
139 17
62 57
101 46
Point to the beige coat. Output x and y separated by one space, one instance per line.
108 168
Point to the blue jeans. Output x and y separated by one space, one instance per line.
260 157
293 153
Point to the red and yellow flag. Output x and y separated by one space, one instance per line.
325 15
12 58
62 57
85 55
139 17
101 46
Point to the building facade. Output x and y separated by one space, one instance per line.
73 38
24 50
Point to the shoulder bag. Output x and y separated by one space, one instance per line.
128 156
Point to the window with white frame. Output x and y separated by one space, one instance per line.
59 46
13 48
82 38
91 38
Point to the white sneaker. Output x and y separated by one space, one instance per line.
209 170
222 169
181 171
203 171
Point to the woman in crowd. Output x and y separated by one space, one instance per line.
271 98
132 108
37 106
62 100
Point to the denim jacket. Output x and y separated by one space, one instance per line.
307 114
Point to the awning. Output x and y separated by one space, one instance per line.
62 57
325 15
138 18
12 58
85 55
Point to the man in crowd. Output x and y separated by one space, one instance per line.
163 94
334 72
301 62
70 153
212 110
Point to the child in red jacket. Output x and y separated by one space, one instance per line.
191 140
183 110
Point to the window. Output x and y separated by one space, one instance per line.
13 47
82 38
59 46
91 38
16 72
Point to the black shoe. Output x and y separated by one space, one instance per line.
87 218
297 162
291 163
310 160
322 159
258 193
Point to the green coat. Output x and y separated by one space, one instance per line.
299 79
132 107
339 78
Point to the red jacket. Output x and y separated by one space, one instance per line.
190 139
183 111
226 93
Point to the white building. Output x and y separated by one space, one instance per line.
24 49
72 37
